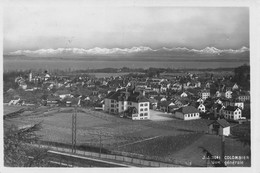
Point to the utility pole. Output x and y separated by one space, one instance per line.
222 149
74 130
100 143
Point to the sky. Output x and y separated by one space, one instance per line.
75 24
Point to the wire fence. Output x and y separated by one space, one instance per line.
131 158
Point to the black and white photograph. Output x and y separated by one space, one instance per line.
93 84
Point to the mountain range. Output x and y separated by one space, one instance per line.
136 51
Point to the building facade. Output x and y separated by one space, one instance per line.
121 101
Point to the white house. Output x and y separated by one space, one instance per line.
184 94
239 104
14 102
219 94
235 87
187 113
228 94
219 127
200 100
244 97
123 102
232 113
201 108
218 101
204 94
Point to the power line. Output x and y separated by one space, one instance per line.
74 130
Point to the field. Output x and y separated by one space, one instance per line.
169 140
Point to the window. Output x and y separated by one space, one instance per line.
112 106
146 109
122 108
145 114
141 105
141 109
141 114
145 104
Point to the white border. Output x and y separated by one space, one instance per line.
254 8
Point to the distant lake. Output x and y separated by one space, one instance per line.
14 64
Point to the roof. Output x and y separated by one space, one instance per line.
137 98
128 96
164 103
187 110
221 122
131 110
231 108
205 90
153 100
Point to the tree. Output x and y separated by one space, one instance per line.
214 161
17 150
242 76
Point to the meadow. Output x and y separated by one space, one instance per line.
160 140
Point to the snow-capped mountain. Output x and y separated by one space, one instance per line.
125 51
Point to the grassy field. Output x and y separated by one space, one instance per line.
165 140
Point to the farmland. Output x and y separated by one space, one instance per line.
165 140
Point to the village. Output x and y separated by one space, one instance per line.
135 112
186 97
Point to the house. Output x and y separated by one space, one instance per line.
235 87
228 94
71 101
63 93
167 106
201 108
14 102
184 94
208 84
218 101
204 94
187 113
118 102
217 109
192 84
181 103
163 88
200 100
218 94
176 87
219 127
23 86
237 103
153 103
131 112
244 97
232 113
52 100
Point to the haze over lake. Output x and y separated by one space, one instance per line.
14 64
